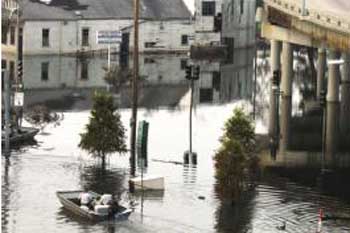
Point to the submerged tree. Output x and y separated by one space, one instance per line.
105 133
41 116
235 158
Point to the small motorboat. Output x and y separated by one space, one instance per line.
148 182
70 201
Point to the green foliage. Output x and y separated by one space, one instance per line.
235 158
105 133
41 116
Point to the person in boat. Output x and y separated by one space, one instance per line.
109 200
86 200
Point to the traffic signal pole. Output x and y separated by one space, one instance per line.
134 88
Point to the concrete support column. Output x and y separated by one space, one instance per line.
275 56
332 121
286 88
321 70
345 96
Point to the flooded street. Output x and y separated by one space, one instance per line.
33 174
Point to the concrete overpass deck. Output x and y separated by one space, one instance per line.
324 23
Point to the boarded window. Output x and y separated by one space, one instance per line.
46 37
12 70
184 40
84 70
85 37
12 35
44 71
208 8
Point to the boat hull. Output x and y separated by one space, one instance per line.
66 198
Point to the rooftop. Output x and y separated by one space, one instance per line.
103 9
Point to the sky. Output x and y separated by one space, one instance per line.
190 4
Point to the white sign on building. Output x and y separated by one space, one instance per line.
108 37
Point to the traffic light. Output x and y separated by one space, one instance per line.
196 72
188 72
19 70
276 77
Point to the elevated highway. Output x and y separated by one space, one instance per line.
322 24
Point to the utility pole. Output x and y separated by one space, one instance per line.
134 87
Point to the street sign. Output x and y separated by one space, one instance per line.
108 37
19 99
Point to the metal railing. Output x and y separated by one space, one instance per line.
319 17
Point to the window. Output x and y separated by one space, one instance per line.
12 35
150 44
216 80
4 35
12 70
148 60
84 75
208 8
46 37
242 7
85 37
3 64
230 42
205 95
44 71
184 40
183 64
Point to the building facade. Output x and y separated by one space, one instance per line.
238 23
207 21
164 36
54 27
9 36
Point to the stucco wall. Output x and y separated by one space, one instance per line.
165 34
239 22
66 36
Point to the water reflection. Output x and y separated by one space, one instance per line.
66 83
236 218
6 192
103 180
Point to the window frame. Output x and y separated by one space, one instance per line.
184 40
85 38
45 68
45 38
12 35
84 70
208 8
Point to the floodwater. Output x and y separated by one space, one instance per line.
32 175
